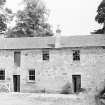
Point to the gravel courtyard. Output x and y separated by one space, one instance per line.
45 99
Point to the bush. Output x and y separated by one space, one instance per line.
66 89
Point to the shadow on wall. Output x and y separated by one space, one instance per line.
100 97
4 88
67 89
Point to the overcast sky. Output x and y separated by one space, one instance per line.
75 17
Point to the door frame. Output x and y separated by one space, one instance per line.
16 83
76 80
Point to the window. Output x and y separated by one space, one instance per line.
45 55
76 55
17 58
2 74
31 74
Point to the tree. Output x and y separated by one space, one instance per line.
5 16
32 21
100 18
2 17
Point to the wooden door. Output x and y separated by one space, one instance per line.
76 82
16 83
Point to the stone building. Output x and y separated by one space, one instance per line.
47 64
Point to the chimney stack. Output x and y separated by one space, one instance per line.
58 36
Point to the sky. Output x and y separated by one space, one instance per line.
75 17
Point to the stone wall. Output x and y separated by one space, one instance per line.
7 64
52 75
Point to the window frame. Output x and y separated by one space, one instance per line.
32 75
15 61
76 55
76 87
45 55
2 76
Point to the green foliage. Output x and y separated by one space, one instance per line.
100 18
99 31
5 16
31 22
2 2
3 25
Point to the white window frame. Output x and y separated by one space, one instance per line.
76 57
2 75
31 75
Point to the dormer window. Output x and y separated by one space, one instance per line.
76 55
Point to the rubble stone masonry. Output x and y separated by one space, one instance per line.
51 75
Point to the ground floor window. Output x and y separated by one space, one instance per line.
31 74
2 74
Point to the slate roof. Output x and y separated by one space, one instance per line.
50 42
26 43
83 41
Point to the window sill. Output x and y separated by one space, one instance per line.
31 81
76 62
2 80
45 60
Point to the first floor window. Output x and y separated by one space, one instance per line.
76 55
17 58
45 55
2 74
32 74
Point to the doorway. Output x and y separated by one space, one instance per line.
76 82
16 83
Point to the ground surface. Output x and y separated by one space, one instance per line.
45 99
